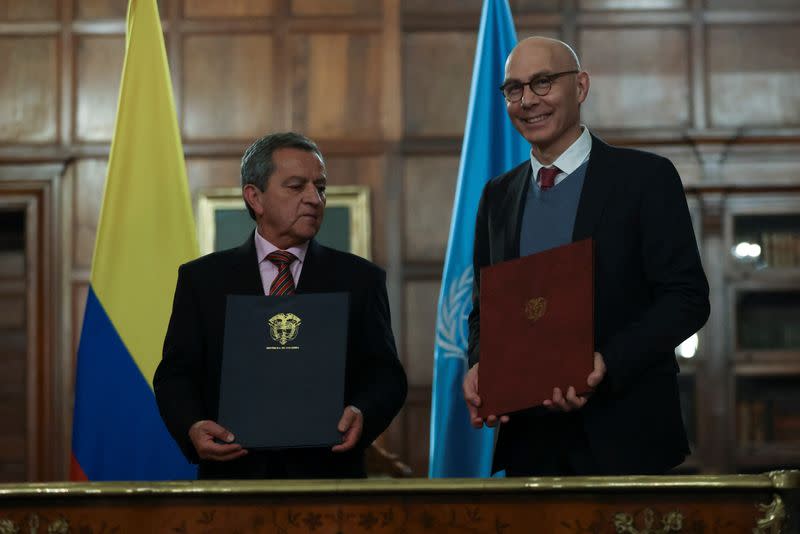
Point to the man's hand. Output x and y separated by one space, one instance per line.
571 401
470 387
202 434
351 425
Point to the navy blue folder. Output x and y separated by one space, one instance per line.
283 369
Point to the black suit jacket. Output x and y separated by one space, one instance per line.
187 380
650 294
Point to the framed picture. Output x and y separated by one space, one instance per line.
223 221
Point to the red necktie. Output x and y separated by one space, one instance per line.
283 284
547 177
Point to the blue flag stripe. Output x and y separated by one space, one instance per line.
118 433
490 147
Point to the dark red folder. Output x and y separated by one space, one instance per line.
537 328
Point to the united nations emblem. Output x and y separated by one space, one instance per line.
535 308
284 327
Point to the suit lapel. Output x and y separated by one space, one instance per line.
246 260
314 275
597 186
514 208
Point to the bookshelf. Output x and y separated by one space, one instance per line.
740 379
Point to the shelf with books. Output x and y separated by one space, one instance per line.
765 318
764 232
767 420
768 457
767 364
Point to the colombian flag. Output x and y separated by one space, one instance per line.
146 231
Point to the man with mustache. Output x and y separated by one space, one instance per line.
283 185
650 289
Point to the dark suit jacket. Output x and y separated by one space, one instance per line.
650 294
186 382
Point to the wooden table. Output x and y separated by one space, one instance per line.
631 505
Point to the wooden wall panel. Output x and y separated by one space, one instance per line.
754 74
80 291
227 87
228 9
99 67
429 185
436 104
102 9
417 6
632 4
462 6
28 89
417 423
752 169
90 175
368 171
534 6
639 77
335 7
213 172
749 4
337 85
28 10
12 311
524 33
13 345
421 298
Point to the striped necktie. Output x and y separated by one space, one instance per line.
283 284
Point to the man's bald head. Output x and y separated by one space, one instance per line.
562 54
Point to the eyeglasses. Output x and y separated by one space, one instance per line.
540 85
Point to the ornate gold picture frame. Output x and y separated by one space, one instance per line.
223 221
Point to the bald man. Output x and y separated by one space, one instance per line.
650 289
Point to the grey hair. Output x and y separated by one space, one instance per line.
258 165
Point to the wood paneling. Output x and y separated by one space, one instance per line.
524 33
228 9
748 4
429 182
28 10
417 417
12 264
436 104
213 172
80 291
228 89
764 169
639 77
335 7
99 67
12 311
754 73
102 9
461 6
417 6
90 176
336 85
632 4
366 171
28 89
421 299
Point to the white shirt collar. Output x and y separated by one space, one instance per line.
569 160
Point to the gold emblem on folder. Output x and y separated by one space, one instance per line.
284 327
535 308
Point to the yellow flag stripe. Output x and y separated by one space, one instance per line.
146 227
